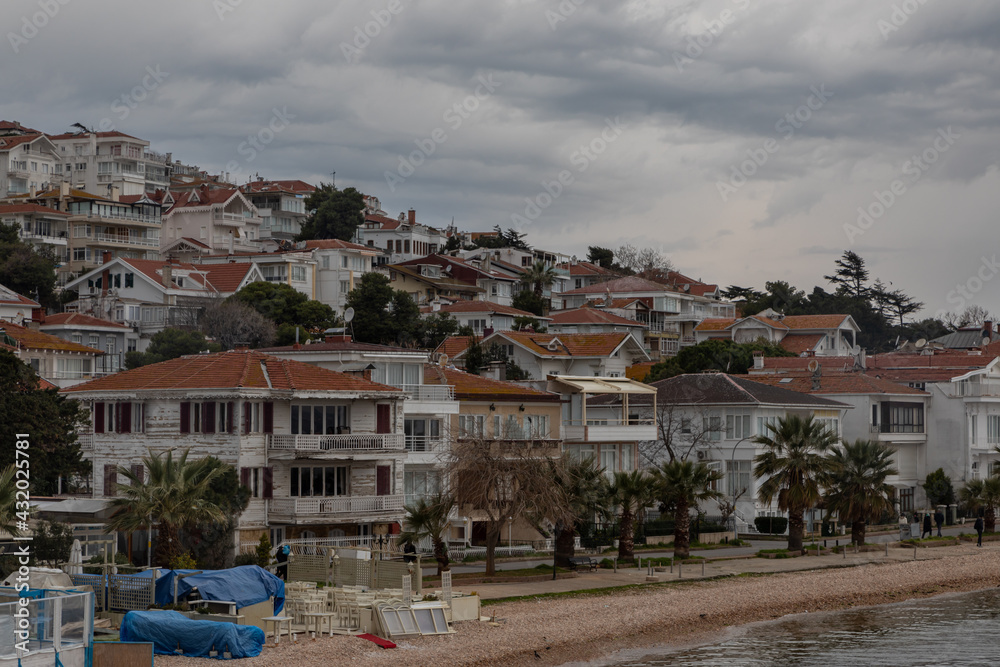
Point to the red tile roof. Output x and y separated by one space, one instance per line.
221 278
813 321
11 209
36 340
714 324
386 222
836 383
100 135
620 286
581 269
591 315
466 306
227 277
799 343
293 186
453 345
14 125
80 320
6 143
241 369
638 372
568 344
16 298
474 387
324 244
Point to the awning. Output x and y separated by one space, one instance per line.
602 385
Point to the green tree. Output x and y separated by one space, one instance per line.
173 497
982 495
429 518
856 487
336 214
539 277
167 344
8 501
51 419
475 356
717 354
210 543
382 314
603 257
287 308
263 552
530 302
26 269
851 276
52 542
938 488
585 491
793 463
523 322
436 327
231 323
629 493
679 486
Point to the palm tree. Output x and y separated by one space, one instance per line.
539 276
855 483
8 501
682 485
584 488
982 494
429 517
171 499
791 466
629 493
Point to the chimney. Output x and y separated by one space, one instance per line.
367 374
39 315
64 189
496 370
487 332
412 216
116 193
168 276
758 360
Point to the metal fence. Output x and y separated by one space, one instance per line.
351 566
57 629
119 592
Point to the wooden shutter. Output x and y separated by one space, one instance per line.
247 412
382 480
139 472
245 477
110 480
185 417
268 483
230 407
125 417
382 418
99 417
268 417
208 417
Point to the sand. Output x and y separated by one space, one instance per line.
582 628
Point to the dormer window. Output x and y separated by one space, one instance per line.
179 280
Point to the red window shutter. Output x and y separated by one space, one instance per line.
268 483
246 416
185 417
382 418
245 477
229 416
125 417
208 417
110 480
139 472
382 480
99 417
268 417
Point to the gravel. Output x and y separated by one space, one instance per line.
588 627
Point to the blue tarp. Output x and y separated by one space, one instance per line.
168 629
244 585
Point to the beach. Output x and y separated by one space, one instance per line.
595 625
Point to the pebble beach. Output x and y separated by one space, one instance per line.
594 625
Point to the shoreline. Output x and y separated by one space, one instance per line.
592 626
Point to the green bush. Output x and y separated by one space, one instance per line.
245 559
771 525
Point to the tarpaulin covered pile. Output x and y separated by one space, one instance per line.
244 585
169 629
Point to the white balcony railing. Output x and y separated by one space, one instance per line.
428 392
425 443
339 442
348 505
86 441
125 240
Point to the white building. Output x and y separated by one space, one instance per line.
28 161
400 239
41 226
223 219
98 161
817 335
483 317
281 206
322 452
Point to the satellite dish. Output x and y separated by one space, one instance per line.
108 305
920 344
856 350
813 365
443 360
348 315
986 340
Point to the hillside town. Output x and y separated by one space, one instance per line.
374 381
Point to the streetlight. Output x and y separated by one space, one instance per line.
510 524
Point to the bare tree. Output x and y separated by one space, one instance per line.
503 480
636 260
230 323
681 431
972 316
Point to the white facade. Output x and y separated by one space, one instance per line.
27 164
98 161
224 220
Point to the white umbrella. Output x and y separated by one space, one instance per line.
76 558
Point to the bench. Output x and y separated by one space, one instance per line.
583 561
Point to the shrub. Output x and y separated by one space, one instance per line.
263 551
245 559
771 525
184 561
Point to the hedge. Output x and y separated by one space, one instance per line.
772 525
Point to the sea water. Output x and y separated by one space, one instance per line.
956 629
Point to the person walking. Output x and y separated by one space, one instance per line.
928 528
979 530
939 520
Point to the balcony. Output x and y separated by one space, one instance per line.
51 239
20 174
428 392
86 441
114 239
334 508
908 429
609 430
343 442
425 443
127 217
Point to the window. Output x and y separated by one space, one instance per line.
345 286
507 427
299 273
94 341
902 417
471 426
129 280
906 500
258 480
738 477
77 338
628 458
207 417
738 425
320 419
132 345
536 426
419 484
119 417
763 423
326 261
318 481
609 459
73 367
993 429
830 424
712 426
421 434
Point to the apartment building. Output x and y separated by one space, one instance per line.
400 239
281 206
64 363
322 452
482 316
41 226
494 285
99 161
28 161
222 219
113 338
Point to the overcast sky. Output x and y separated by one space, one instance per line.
740 137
